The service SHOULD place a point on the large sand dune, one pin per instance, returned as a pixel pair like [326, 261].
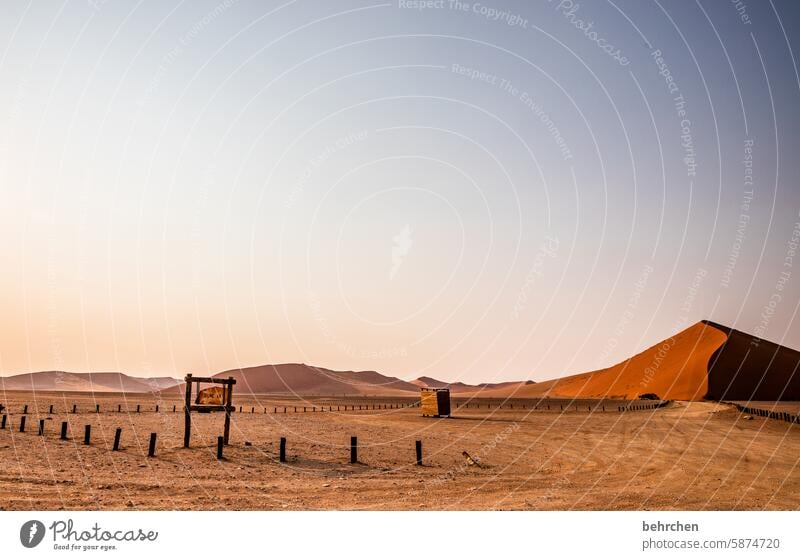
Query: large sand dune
[675, 368]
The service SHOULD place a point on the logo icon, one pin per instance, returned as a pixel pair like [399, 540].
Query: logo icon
[31, 533]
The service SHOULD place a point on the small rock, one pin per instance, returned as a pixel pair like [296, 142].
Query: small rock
[326, 485]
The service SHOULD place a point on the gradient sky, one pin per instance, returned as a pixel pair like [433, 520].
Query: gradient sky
[476, 193]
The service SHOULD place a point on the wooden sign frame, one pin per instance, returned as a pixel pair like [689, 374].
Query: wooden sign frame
[189, 407]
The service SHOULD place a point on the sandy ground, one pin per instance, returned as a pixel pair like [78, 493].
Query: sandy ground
[684, 456]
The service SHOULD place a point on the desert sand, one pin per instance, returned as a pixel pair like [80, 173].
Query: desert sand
[682, 456]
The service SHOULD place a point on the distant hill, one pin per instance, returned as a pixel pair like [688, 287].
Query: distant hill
[458, 387]
[302, 379]
[99, 382]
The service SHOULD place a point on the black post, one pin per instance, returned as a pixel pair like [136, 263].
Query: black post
[41, 426]
[419, 453]
[220, 445]
[97, 408]
[74, 408]
[22, 424]
[3, 422]
[63, 430]
[87, 434]
[187, 416]
[119, 408]
[353, 449]
[138, 407]
[152, 451]
[156, 408]
[51, 409]
[283, 450]
[117, 435]
[25, 409]
[173, 408]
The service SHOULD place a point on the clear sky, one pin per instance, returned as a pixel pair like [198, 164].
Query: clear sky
[470, 191]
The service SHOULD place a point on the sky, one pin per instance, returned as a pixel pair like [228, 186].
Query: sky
[470, 191]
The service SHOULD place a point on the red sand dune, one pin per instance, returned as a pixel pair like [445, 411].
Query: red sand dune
[675, 368]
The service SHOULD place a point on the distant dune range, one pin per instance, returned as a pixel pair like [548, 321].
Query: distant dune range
[704, 361]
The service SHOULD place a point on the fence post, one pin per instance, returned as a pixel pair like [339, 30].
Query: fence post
[152, 451]
[282, 456]
[51, 409]
[97, 408]
[138, 408]
[22, 424]
[87, 433]
[3, 422]
[418, 446]
[220, 445]
[74, 408]
[41, 426]
[63, 430]
[353, 449]
[156, 408]
[117, 435]
[119, 408]
[25, 409]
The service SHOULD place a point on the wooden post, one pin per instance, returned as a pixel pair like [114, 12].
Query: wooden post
[74, 408]
[151, 452]
[63, 430]
[25, 409]
[173, 408]
[41, 426]
[87, 433]
[282, 455]
[117, 435]
[353, 449]
[119, 408]
[419, 452]
[138, 408]
[228, 407]
[51, 409]
[252, 409]
[220, 444]
[187, 415]
[156, 408]
[22, 424]
[3, 422]
[97, 408]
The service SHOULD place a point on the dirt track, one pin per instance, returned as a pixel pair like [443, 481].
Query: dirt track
[686, 456]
